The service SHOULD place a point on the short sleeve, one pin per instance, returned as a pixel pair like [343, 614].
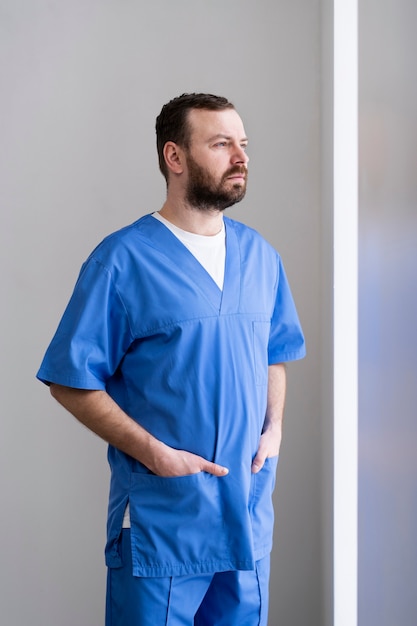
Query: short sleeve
[93, 335]
[286, 340]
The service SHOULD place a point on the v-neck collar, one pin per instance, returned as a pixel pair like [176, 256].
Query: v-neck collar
[163, 239]
[232, 271]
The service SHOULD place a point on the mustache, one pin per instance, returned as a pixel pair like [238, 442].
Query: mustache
[236, 169]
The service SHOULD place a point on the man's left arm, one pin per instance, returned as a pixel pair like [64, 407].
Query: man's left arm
[270, 440]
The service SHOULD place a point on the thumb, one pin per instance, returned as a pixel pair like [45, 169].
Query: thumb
[215, 469]
[258, 463]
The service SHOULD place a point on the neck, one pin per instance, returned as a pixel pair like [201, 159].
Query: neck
[191, 219]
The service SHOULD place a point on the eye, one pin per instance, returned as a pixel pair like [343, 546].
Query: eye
[220, 144]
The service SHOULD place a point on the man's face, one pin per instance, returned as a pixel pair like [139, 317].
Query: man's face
[216, 160]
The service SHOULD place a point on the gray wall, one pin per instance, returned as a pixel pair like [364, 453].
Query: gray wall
[81, 84]
[388, 313]
[326, 309]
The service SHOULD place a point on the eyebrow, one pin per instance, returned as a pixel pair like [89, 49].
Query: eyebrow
[222, 136]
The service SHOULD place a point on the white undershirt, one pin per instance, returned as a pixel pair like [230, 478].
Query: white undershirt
[210, 252]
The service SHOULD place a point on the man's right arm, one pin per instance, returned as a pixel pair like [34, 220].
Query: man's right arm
[98, 412]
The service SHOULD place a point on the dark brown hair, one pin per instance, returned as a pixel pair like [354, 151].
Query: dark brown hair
[172, 125]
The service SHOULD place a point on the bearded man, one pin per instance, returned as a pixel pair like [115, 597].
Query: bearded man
[173, 349]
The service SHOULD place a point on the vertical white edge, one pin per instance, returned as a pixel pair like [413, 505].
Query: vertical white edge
[345, 311]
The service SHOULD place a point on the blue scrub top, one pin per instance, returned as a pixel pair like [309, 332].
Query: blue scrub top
[189, 362]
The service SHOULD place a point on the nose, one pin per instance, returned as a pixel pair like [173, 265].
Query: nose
[239, 155]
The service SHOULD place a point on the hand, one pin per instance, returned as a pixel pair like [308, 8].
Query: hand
[170, 462]
[269, 445]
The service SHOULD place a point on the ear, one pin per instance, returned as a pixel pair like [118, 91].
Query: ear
[173, 156]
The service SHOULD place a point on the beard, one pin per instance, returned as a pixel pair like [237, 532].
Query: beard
[206, 194]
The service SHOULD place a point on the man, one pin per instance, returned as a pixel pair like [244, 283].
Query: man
[172, 349]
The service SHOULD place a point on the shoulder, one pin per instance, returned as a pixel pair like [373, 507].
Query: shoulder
[123, 243]
[249, 237]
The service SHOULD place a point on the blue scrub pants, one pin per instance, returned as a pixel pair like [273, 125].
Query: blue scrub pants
[235, 598]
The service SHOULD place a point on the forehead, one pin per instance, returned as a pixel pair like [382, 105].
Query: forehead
[205, 124]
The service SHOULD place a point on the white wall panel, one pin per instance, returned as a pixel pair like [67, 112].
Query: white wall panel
[388, 313]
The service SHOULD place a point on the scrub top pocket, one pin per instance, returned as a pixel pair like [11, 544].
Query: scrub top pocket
[175, 523]
[261, 507]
